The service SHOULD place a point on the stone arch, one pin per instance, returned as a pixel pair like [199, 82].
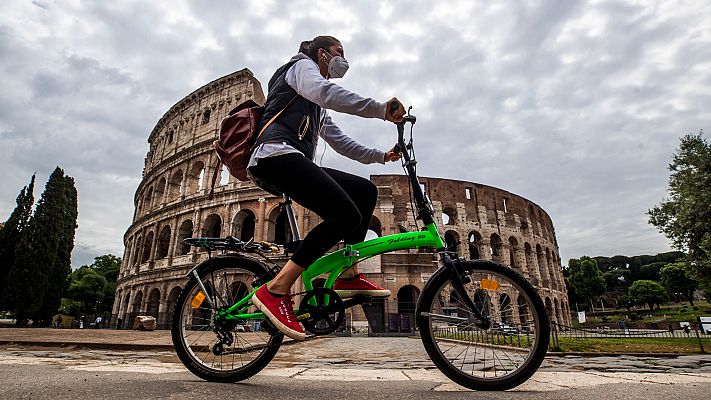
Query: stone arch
[530, 263]
[137, 300]
[212, 226]
[406, 303]
[175, 185]
[196, 177]
[523, 312]
[513, 252]
[449, 216]
[126, 303]
[278, 228]
[159, 193]
[496, 247]
[185, 231]
[474, 245]
[375, 226]
[147, 247]
[163, 243]
[542, 267]
[224, 176]
[451, 239]
[549, 309]
[148, 200]
[170, 305]
[243, 224]
[137, 250]
[153, 303]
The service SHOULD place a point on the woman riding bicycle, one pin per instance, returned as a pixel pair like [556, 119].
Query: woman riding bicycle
[282, 162]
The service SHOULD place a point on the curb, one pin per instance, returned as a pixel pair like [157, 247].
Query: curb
[118, 346]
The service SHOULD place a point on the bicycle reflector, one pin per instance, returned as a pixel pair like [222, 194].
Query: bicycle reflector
[198, 299]
[486, 284]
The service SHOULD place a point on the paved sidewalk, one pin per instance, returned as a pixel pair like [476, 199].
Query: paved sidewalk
[332, 359]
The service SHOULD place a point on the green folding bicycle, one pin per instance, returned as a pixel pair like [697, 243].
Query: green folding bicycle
[220, 335]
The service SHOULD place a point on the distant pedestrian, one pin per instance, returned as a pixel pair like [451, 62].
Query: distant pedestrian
[58, 321]
[687, 330]
[671, 330]
[98, 321]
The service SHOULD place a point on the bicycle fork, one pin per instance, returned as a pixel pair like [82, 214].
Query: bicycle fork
[458, 279]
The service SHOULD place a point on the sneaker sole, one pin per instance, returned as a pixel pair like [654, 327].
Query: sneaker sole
[296, 335]
[372, 293]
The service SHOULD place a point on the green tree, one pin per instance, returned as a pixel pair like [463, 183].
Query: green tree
[58, 273]
[89, 287]
[586, 278]
[676, 279]
[42, 256]
[685, 217]
[11, 231]
[651, 272]
[616, 279]
[647, 292]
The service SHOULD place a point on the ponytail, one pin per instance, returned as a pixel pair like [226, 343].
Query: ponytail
[311, 47]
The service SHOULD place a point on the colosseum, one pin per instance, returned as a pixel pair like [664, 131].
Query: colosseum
[171, 204]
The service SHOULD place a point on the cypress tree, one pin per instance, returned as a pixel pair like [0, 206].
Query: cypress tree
[10, 233]
[58, 274]
[42, 253]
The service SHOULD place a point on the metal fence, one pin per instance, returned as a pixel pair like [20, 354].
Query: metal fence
[623, 331]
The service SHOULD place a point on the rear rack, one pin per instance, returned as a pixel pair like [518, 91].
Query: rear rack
[232, 243]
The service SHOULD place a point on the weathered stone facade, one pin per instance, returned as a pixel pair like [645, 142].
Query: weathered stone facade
[171, 204]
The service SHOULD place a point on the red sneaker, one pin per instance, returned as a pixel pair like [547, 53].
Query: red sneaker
[349, 287]
[280, 311]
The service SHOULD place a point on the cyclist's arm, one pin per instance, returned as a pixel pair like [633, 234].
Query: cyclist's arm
[305, 78]
[346, 146]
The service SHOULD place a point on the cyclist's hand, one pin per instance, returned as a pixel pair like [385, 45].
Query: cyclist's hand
[393, 114]
[391, 156]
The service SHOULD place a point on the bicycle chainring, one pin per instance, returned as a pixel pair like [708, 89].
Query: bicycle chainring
[321, 311]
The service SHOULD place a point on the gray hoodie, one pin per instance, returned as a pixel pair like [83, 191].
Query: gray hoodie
[306, 79]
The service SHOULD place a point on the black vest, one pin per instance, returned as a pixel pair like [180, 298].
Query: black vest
[298, 124]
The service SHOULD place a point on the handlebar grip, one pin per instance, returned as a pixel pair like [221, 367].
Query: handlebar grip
[397, 149]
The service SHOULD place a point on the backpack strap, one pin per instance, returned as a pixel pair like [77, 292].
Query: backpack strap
[276, 116]
[211, 194]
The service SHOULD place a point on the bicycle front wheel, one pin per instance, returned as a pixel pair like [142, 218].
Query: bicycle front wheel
[216, 349]
[496, 354]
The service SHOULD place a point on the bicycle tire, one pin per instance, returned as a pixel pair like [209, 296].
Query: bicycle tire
[194, 352]
[530, 313]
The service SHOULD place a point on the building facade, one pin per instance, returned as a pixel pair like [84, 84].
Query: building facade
[171, 204]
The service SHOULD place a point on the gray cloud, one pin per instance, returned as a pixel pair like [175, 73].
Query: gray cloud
[577, 106]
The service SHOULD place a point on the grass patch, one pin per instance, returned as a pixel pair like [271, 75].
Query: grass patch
[634, 345]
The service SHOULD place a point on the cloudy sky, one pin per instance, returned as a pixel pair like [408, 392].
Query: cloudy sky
[577, 106]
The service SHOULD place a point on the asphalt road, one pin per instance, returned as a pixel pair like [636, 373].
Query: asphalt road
[82, 374]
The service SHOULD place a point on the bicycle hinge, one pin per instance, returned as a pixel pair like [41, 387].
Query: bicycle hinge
[350, 254]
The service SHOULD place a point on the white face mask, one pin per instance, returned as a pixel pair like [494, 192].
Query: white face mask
[337, 65]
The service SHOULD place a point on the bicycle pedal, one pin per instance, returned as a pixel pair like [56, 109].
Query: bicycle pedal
[267, 326]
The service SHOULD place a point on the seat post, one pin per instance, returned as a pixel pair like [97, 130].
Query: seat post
[292, 218]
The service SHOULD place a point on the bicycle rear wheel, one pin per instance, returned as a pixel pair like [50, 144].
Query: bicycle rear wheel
[496, 356]
[199, 338]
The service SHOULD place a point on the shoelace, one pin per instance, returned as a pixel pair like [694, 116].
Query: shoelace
[288, 305]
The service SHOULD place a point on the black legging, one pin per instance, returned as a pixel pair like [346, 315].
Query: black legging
[345, 202]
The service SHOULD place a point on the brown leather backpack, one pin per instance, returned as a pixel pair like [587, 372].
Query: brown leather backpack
[238, 133]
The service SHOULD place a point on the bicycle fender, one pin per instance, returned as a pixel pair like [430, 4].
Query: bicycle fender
[204, 266]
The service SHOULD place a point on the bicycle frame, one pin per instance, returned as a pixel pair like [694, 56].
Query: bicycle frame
[336, 262]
